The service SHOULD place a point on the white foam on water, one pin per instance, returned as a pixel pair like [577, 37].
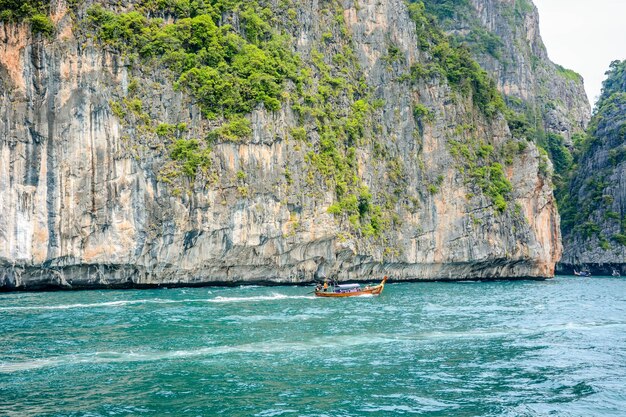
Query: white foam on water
[578, 326]
[392, 409]
[424, 404]
[71, 306]
[257, 318]
[503, 332]
[474, 334]
[272, 412]
[121, 303]
[272, 297]
[267, 347]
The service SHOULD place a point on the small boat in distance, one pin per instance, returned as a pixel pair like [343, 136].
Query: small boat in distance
[582, 273]
[615, 273]
[348, 290]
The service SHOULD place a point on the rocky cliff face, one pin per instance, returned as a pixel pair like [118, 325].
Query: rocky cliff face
[595, 214]
[505, 39]
[112, 174]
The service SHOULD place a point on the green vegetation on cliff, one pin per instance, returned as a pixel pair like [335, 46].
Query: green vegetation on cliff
[614, 85]
[232, 57]
[481, 168]
[192, 156]
[15, 10]
[228, 71]
[335, 100]
[33, 11]
[493, 32]
[453, 61]
[568, 73]
[477, 38]
[229, 74]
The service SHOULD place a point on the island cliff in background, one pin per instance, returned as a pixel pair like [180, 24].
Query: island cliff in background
[594, 213]
[163, 143]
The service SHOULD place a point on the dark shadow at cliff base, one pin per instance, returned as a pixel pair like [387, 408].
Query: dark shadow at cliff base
[597, 269]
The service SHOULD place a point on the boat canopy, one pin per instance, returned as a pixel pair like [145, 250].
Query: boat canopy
[348, 286]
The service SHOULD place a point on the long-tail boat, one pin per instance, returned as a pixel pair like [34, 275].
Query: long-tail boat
[349, 290]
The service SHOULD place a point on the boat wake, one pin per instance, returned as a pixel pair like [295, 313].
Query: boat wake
[271, 297]
[122, 303]
[118, 303]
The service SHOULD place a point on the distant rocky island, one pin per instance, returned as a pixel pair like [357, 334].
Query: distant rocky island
[170, 142]
[593, 209]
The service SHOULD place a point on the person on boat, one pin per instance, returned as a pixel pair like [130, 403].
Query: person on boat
[325, 286]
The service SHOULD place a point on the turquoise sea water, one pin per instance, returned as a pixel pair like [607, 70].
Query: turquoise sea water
[555, 347]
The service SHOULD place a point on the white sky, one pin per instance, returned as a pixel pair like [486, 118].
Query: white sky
[584, 35]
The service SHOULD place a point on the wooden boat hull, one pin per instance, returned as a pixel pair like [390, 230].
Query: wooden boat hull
[369, 291]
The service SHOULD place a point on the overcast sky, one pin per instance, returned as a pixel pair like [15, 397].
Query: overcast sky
[584, 35]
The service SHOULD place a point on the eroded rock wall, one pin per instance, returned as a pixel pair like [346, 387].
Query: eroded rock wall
[84, 201]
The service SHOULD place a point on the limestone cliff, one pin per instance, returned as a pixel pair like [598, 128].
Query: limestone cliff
[504, 38]
[114, 171]
[595, 213]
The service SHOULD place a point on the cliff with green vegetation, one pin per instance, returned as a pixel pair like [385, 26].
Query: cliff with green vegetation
[594, 214]
[175, 142]
[547, 102]
[503, 36]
